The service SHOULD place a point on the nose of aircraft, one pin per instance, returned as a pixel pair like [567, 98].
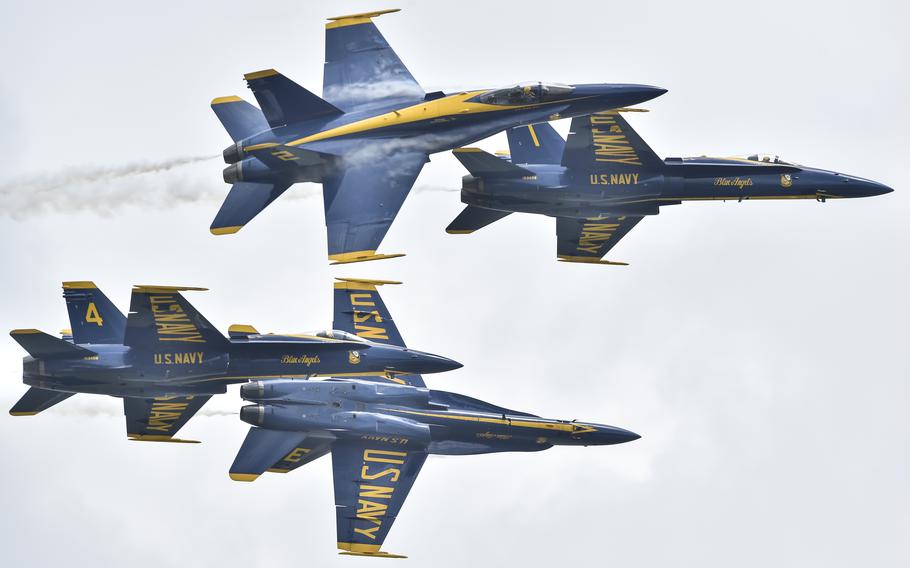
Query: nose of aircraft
[840, 185]
[422, 362]
[609, 435]
[617, 95]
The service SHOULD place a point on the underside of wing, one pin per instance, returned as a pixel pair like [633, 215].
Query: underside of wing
[588, 240]
[158, 419]
[371, 484]
[361, 201]
[360, 66]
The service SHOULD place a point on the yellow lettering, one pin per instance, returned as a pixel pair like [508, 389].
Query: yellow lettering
[370, 332]
[370, 456]
[370, 532]
[362, 300]
[92, 315]
[376, 491]
[365, 473]
[296, 455]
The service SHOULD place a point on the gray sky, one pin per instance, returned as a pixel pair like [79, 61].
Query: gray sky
[758, 348]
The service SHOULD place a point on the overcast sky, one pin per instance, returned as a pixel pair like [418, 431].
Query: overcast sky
[760, 349]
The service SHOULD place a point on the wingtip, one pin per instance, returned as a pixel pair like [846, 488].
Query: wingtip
[245, 477]
[360, 256]
[225, 230]
[260, 74]
[223, 100]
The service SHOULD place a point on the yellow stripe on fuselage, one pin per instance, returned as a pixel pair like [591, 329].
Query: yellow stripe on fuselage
[453, 105]
[558, 426]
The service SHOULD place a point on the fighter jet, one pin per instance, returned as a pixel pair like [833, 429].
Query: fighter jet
[380, 435]
[604, 179]
[165, 360]
[368, 137]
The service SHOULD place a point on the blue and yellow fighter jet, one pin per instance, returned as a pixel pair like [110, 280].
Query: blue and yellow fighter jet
[604, 179]
[380, 434]
[370, 134]
[165, 360]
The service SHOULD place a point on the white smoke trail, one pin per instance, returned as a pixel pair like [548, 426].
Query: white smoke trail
[104, 189]
[111, 407]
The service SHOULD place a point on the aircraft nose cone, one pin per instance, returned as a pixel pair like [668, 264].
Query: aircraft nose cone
[641, 93]
[612, 435]
[422, 362]
[859, 187]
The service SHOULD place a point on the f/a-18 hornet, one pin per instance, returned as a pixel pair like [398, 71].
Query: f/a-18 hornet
[370, 134]
[380, 434]
[604, 179]
[165, 360]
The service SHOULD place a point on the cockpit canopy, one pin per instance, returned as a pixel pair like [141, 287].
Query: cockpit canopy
[767, 159]
[338, 334]
[526, 93]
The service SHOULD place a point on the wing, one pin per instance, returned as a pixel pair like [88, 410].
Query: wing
[360, 67]
[276, 451]
[605, 142]
[371, 485]
[158, 419]
[359, 309]
[362, 200]
[588, 240]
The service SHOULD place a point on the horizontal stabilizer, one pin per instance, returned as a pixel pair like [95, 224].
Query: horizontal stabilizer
[285, 102]
[40, 345]
[36, 400]
[243, 202]
[262, 449]
[473, 218]
[239, 118]
[485, 165]
[535, 144]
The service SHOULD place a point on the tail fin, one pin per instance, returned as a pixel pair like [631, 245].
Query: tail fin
[473, 218]
[244, 201]
[359, 309]
[285, 102]
[43, 346]
[239, 118]
[36, 400]
[162, 320]
[535, 144]
[486, 165]
[93, 318]
[605, 143]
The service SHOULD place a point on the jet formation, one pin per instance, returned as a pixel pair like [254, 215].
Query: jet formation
[165, 360]
[604, 179]
[369, 135]
[366, 140]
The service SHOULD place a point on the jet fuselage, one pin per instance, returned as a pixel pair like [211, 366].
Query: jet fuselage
[414, 418]
[559, 191]
[118, 370]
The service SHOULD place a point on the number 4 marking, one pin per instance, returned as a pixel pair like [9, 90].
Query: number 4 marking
[92, 315]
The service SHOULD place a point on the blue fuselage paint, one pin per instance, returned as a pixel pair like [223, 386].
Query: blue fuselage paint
[452, 128]
[561, 192]
[118, 370]
[412, 418]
